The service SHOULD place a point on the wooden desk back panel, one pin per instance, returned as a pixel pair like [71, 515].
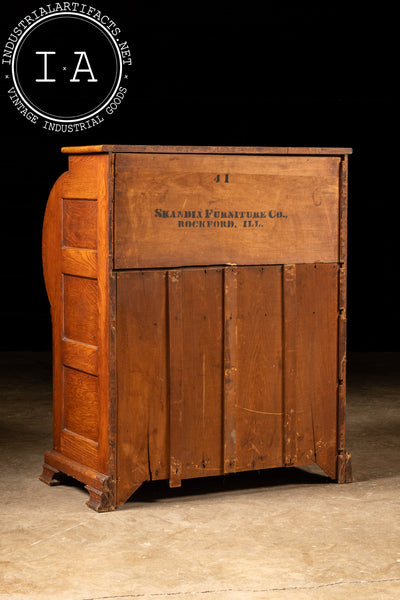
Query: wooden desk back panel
[198, 307]
[210, 393]
[176, 210]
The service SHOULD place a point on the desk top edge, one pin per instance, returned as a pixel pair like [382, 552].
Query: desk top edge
[160, 149]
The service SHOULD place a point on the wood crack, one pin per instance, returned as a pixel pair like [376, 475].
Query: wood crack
[246, 590]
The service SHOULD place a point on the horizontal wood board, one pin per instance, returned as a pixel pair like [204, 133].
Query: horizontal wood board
[183, 210]
[273, 150]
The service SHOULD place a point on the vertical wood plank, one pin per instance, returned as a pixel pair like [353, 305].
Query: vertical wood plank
[142, 429]
[342, 382]
[202, 432]
[175, 308]
[112, 381]
[289, 364]
[259, 368]
[104, 266]
[343, 177]
[196, 378]
[342, 358]
[317, 352]
[344, 461]
[230, 367]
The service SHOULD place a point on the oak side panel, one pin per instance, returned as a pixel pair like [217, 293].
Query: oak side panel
[259, 376]
[76, 261]
[88, 187]
[177, 210]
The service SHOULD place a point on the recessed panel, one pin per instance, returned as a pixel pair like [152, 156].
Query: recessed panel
[79, 224]
[81, 309]
[81, 404]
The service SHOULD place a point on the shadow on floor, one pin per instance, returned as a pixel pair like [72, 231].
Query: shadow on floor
[373, 426]
[157, 490]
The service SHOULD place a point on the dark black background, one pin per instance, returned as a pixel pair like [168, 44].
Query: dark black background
[271, 74]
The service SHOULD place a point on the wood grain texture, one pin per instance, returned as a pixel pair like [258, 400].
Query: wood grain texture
[101, 487]
[230, 366]
[76, 260]
[81, 404]
[267, 150]
[176, 210]
[80, 262]
[176, 377]
[80, 223]
[344, 458]
[259, 376]
[143, 408]
[195, 355]
[80, 356]
[79, 448]
[211, 347]
[289, 341]
[317, 351]
[274, 396]
[81, 313]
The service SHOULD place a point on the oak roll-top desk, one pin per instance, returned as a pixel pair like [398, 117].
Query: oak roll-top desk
[198, 301]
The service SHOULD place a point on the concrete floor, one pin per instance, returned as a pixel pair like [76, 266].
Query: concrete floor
[273, 535]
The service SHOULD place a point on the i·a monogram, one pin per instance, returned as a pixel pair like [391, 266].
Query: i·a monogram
[82, 57]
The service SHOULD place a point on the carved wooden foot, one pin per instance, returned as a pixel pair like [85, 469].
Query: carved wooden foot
[100, 500]
[101, 487]
[51, 476]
